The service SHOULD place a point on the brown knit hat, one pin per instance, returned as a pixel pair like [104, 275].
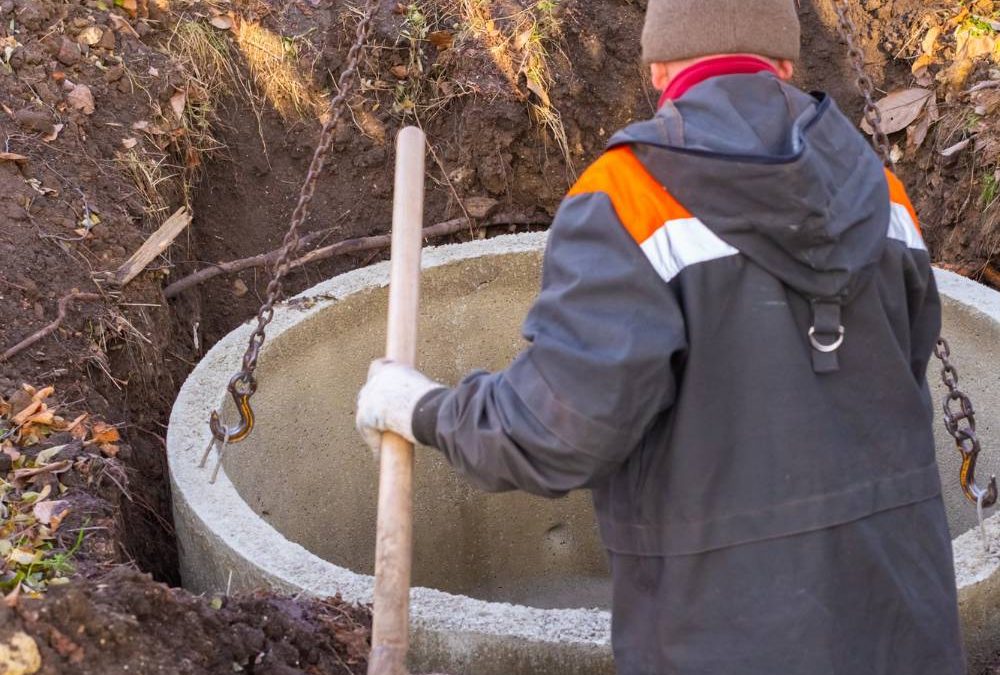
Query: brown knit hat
[685, 29]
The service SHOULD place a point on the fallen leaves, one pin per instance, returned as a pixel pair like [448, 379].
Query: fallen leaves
[441, 39]
[90, 36]
[34, 503]
[222, 22]
[82, 99]
[900, 109]
[19, 655]
[956, 148]
[178, 102]
[12, 157]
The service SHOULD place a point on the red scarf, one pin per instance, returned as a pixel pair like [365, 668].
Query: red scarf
[721, 65]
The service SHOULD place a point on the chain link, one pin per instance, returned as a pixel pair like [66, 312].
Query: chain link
[960, 421]
[848, 32]
[244, 384]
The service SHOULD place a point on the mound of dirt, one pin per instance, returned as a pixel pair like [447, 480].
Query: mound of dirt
[126, 623]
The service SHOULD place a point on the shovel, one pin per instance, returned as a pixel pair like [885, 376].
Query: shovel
[394, 540]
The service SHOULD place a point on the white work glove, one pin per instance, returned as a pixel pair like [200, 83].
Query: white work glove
[388, 400]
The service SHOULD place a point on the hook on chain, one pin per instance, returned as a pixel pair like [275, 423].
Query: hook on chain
[241, 388]
[961, 424]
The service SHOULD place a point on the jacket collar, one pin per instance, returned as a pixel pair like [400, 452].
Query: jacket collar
[697, 73]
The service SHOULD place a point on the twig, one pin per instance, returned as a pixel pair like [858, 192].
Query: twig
[41, 334]
[988, 84]
[154, 246]
[341, 248]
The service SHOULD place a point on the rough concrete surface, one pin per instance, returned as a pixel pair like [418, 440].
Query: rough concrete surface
[294, 506]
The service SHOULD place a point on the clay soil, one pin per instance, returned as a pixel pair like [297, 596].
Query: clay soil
[116, 114]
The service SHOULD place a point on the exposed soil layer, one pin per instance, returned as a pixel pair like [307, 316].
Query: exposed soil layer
[124, 622]
[115, 118]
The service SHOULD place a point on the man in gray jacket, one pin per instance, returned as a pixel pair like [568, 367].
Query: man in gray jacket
[729, 350]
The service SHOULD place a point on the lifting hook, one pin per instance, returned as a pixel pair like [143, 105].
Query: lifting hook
[960, 421]
[969, 447]
[241, 388]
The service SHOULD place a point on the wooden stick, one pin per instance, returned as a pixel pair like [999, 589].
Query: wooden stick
[394, 541]
[53, 326]
[154, 246]
[340, 248]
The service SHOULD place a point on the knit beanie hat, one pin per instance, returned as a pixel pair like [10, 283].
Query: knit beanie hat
[684, 29]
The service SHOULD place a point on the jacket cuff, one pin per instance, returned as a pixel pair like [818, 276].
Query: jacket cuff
[425, 416]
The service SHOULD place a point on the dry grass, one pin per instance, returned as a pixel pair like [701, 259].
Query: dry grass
[272, 61]
[519, 46]
[153, 178]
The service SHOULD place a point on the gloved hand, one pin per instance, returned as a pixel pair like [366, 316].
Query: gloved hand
[388, 400]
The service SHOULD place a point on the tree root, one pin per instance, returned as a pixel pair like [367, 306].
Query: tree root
[64, 303]
[340, 248]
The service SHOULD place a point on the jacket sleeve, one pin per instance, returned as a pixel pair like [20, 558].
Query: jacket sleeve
[925, 313]
[605, 337]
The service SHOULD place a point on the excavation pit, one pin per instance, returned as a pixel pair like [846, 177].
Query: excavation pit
[503, 583]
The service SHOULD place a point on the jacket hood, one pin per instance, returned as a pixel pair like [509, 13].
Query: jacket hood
[779, 174]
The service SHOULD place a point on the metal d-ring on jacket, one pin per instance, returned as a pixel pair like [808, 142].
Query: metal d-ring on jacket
[729, 350]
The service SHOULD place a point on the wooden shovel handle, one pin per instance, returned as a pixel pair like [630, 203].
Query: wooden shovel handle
[394, 542]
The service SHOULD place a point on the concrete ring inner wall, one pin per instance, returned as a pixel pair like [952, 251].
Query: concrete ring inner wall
[294, 506]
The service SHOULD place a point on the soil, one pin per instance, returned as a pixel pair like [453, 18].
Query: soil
[170, 129]
[123, 622]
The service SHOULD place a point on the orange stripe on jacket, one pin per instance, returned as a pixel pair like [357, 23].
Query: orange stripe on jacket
[897, 194]
[642, 204]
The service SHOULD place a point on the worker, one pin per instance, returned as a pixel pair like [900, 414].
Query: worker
[729, 350]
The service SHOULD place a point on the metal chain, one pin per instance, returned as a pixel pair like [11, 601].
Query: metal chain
[243, 385]
[848, 32]
[961, 424]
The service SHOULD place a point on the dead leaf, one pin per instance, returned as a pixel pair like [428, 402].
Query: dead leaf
[921, 68]
[90, 36]
[20, 476]
[37, 186]
[177, 103]
[46, 512]
[129, 143]
[11, 598]
[523, 38]
[44, 417]
[400, 72]
[104, 433]
[82, 99]
[442, 39]
[222, 22]
[76, 422]
[21, 556]
[46, 455]
[916, 133]
[12, 157]
[538, 89]
[955, 149]
[109, 449]
[900, 109]
[27, 412]
[929, 44]
[130, 6]
[479, 207]
[56, 130]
